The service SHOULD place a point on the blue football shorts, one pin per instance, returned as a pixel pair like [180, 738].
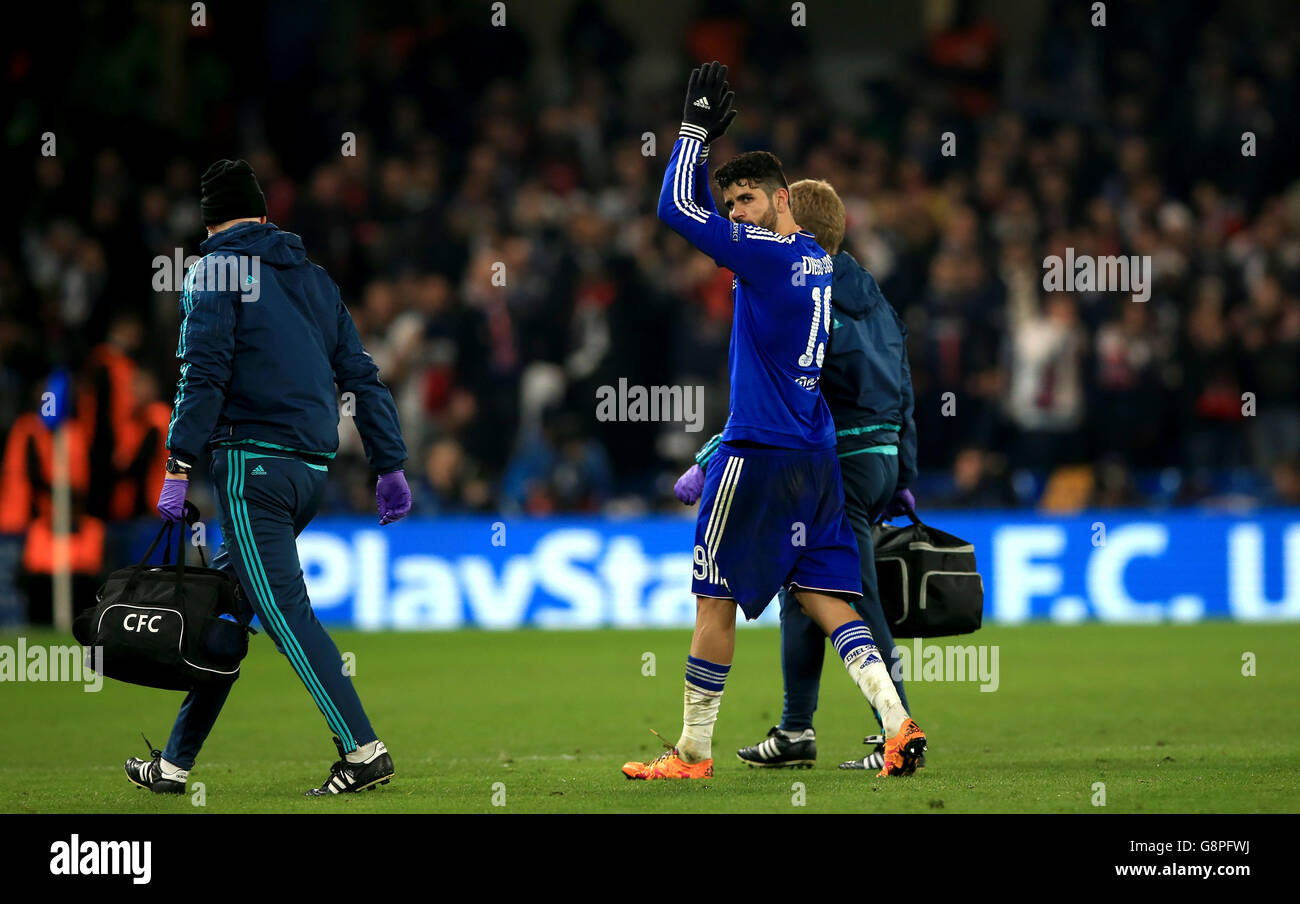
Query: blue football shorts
[772, 518]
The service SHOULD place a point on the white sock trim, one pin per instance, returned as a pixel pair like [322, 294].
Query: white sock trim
[171, 771]
[805, 734]
[366, 752]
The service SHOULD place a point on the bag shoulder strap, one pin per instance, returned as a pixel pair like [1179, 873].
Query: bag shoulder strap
[192, 516]
[148, 554]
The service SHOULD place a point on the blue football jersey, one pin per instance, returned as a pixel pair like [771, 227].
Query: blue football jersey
[782, 310]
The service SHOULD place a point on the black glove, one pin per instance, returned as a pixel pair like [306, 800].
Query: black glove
[727, 114]
[709, 101]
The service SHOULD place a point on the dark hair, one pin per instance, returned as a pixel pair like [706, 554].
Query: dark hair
[755, 168]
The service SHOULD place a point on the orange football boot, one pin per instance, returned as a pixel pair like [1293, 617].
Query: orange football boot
[903, 750]
[668, 764]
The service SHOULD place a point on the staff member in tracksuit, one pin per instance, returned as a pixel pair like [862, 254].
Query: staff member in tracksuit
[867, 383]
[264, 341]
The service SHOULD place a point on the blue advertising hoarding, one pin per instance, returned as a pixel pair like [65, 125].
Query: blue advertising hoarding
[594, 572]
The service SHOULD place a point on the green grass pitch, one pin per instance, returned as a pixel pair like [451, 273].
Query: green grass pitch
[1161, 714]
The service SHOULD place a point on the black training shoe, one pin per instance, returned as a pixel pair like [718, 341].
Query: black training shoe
[151, 773]
[779, 750]
[875, 760]
[346, 777]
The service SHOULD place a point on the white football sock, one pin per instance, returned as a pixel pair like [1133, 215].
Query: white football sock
[852, 640]
[699, 715]
[873, 681]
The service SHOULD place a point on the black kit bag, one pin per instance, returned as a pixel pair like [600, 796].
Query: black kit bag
[929, 586]
[161, 626]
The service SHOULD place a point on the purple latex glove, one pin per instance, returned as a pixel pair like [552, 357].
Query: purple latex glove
[902, 502]
[393, 496]
[171, 501]
[689, 486]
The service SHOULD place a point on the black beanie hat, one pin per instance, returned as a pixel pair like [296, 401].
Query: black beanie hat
[230, 191]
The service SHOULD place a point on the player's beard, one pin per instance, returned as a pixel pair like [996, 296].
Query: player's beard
[768, 220]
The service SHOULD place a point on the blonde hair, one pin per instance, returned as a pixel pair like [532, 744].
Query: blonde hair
[817, 208]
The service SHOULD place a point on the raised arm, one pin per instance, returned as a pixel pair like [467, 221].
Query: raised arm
[703, 195]
[680, 202]
[685, 202]
[751, 252]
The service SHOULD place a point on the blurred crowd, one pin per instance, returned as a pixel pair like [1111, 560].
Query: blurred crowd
[494, 235]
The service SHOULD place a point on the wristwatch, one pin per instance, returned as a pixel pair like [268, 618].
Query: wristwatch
[176, 466]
